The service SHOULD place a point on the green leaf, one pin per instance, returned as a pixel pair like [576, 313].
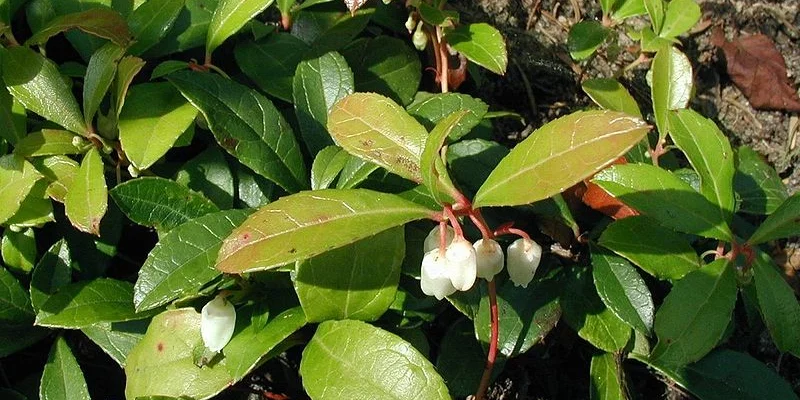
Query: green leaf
[622, 289]
[35, 209]
[472, 161]
[357, 281]
[36, 83]
[252, 190]
[16, 338]
[17, 178]
[49, 142]
[710, 154]
[171, 339]
[461, 359]
[209, 174]
[694, 315]
[271, 62]
[150, 22]
[247, 125]
[19, 250]
[482, 44]
[608, 5]
[12, 117]
[87, 196]
[229, 17]
[672, 85]
[756, 183]
[278, 233]
[659, 251]
[585, 38]
[182, 262]
[611, 95]
[100, 73]
[784, 222]
[778, 305]
[15, 305]
[628, 8]
[318, 84]
[117, 339]
[355, 172]
[385, 65]
[62, 377]
[127, 69]
[99, 21]
[189, 30]
[587, 141]
[681, 16]
[78, 305]
[330, 30]
[60, 171]
[376, 129]
[154, 116]
[428, 109]
[664, 197]
[327, 165]
[655, 9]
[434, 173]
[52, 272]
[334, 363]
[160, 203]
[588, 315]
[607, 381]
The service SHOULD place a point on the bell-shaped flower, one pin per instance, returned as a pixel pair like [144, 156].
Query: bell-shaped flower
[490, 258]
[217, 322]
[461, 263]
[523, 258]
[432, 240]
[435, 280]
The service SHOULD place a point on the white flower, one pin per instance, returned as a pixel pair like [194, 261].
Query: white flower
[490, 258]
[217, 322]
[432, 240]
[419, 38]
[461, 263]
[523, 259]
[435, 280]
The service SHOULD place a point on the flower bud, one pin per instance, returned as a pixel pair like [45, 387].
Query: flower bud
[490, 258]
[432, 240]
[461, 263]
[419, 38]
[217, 322]
[523, 259]
[435, 280]
[411, 23]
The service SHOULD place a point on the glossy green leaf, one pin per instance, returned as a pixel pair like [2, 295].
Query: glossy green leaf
[334, 363]
[160, 203]
[154, 116]
[278, 233]
[611, 95]
[778, 305]
[182, 262]
[355, 172]
[434, 173]
[17, 178]
[13, 120]
[189, 30]
[209, 174]
[85, 303]
[19, 250]
[357, 281]
[472, 161]
[100, 73]
[150, 22]
[482, 44]
[672, 84]
[87, 196]
[387, 66]
[271, 62]
[229, 17]
[52, 272]
[629, 8]
[36, 83]
[62, 378]
[757, 184]
[252, 190]
[710, 153]
[655, 9]
[461, 359]
[659, 251]
[327, 165]
[59, 170]
[694, 315]
[330, 30]
[98, 21]
[247, 125]
[318, 84]
[606, 379]
[50, 142]
[117, 339]
[622, 290]
[35, 209]
[680, 17]
[784, 222]
[661, 195]
[127, 69]
[587, 141]
[167, 350]
[608, 5]
[585, 38]
[376, 129]
[589, 316]
[15, 305]
[429, 109]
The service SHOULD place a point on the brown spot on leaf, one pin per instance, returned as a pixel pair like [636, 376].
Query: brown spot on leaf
[229, 143]
[160, 347]
[292, 250]
[367, 143]
[246, 236]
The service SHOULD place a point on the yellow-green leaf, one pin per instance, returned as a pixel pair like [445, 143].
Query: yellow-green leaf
[99, 21]
[87, 196]
[229, 17]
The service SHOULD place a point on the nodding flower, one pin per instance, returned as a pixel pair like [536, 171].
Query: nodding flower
[217, 322]
[523, 258]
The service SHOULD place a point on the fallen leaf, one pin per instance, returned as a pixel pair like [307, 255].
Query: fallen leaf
[757, 68]
[599, 200]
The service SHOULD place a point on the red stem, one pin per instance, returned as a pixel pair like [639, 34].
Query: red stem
[492, 356]
[448, 210]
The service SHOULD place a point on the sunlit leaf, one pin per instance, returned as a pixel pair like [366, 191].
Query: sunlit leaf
[62, 377]
[482, 44]
[99, 21]
[151, 21]
[49, 142]
[611, 95]
[87, 196]
[778, 305]
[622, 289]
[99, 74]
[757, 184]
[229, 17]
[85, 303]
[784, 222]
[672, 85]
[17, 178]
[271, 62]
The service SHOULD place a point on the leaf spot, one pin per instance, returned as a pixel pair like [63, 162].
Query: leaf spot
[160, 347]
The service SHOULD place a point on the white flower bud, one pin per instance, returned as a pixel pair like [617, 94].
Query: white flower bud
[490, 258]
[435, 280]
[461, 263]
[523, 259]
[432, 240]
[217, 322]
[411, 23]
[419, 38]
